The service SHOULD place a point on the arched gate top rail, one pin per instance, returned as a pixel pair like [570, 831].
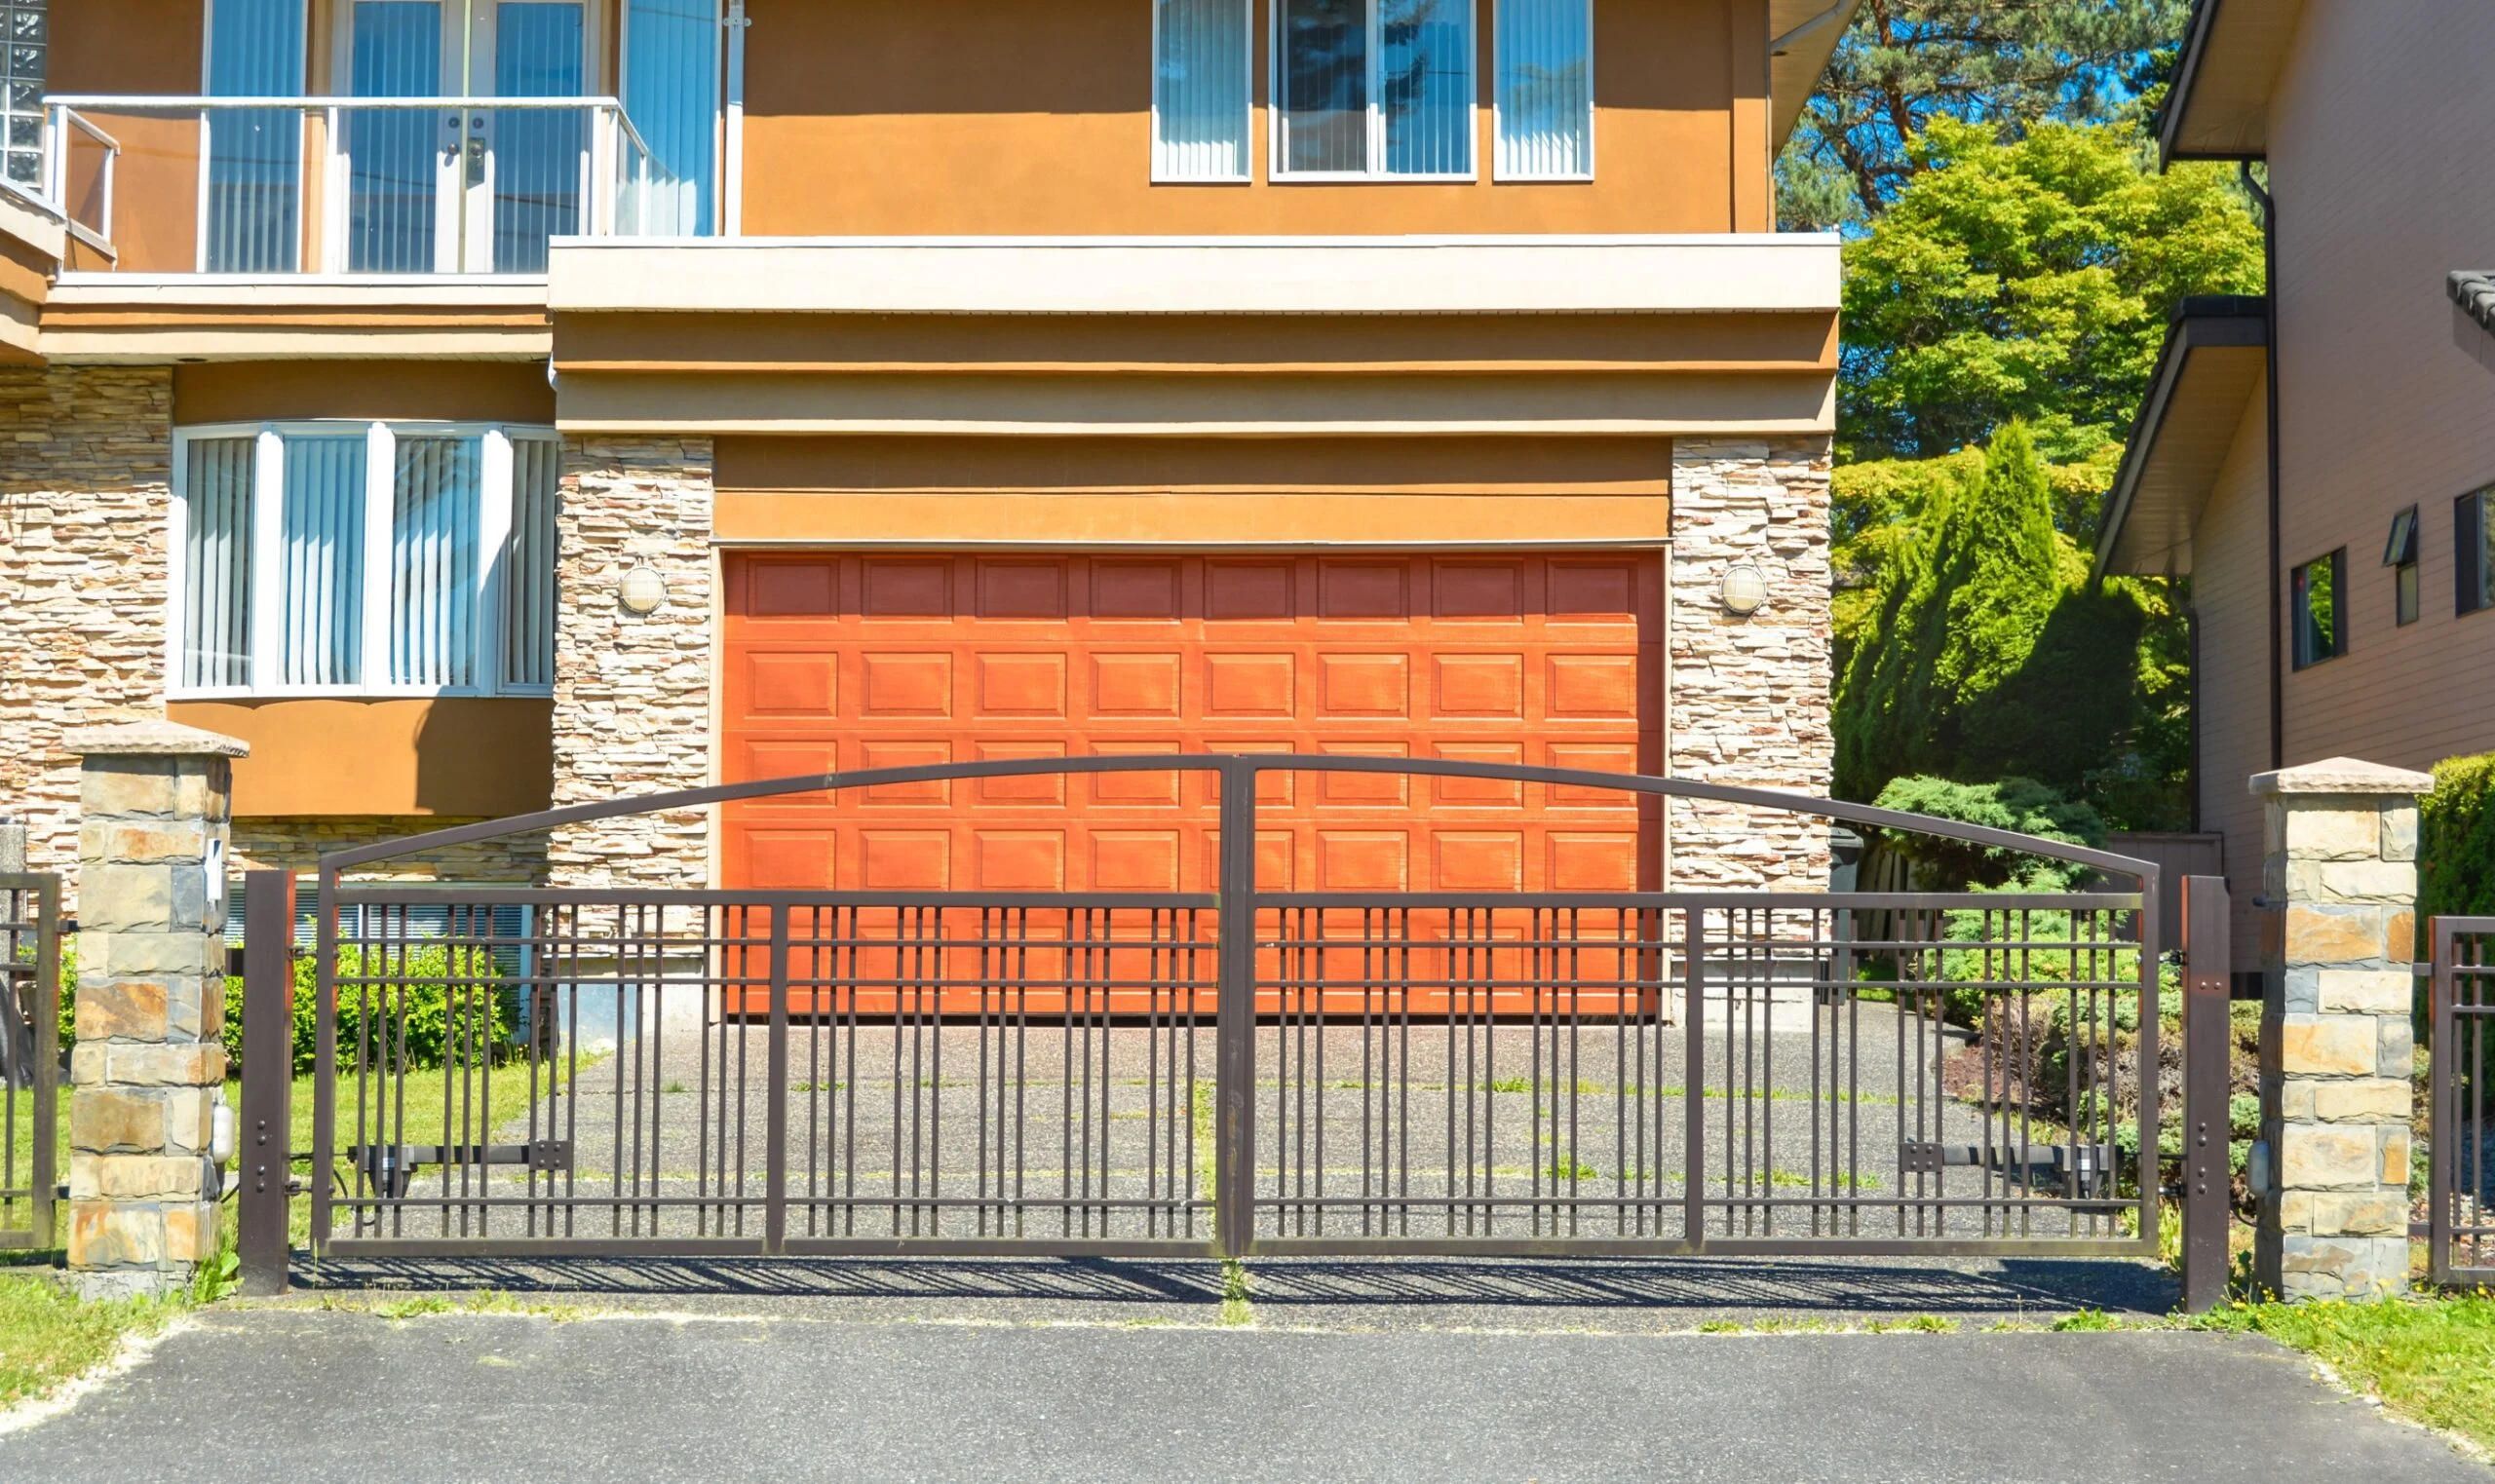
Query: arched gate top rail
[1242, 768]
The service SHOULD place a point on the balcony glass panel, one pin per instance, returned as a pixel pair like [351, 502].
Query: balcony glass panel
[394, 165]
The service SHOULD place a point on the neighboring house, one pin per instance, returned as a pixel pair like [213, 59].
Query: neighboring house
[895, 381]
[2320, 465]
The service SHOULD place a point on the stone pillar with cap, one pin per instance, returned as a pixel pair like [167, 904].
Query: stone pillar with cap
[148, 1073]
[2339, 880]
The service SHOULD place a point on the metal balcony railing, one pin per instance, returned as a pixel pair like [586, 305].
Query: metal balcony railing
[282, 186]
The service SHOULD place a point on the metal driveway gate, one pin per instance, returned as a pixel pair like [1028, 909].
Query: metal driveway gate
[511, 1070]
[29, 1056]
[2461, 1225]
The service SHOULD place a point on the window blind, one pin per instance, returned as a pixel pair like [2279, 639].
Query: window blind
[323, 552]
[217, 562]
[435, 515]
[671, 95]
[1200, 89]
[540, 155]
[1324, 85]
[1545, 59]
[254, 155]
[1425, 85]
[529, 565]
[393, 183]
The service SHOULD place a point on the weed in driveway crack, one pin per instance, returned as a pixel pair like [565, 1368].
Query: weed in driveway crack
[1234, 1308]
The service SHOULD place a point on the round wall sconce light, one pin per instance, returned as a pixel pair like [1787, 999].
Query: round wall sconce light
[1744, 591]
[641, 591]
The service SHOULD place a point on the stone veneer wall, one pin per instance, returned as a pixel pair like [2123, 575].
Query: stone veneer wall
[632, 692]
[86, 478]
[1749, 702]
[297, 844]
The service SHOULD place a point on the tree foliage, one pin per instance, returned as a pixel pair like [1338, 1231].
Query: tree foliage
[2456, 840]
[2005, 64]
[2030, 279]
[1981, 651]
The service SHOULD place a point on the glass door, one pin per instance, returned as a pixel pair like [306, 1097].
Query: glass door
[402, 163]
[535, 175]
[464, 190]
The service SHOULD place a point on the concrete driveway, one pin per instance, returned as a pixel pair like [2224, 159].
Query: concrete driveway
[809, 1389]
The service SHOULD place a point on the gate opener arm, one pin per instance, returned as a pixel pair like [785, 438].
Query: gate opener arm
[392, 1167]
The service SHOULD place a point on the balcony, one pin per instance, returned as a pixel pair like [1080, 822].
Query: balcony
[346, 188]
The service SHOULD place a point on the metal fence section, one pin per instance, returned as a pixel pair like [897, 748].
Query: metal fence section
[29, 1057]
[505, 1071]
[2461, 1225]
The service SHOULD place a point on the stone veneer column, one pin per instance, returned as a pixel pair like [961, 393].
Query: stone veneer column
[632, 691]
[2340, 869]
[1749, 697]
[149, 1067]
[86, 464]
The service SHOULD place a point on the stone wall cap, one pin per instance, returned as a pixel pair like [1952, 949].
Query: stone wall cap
[2342, 775]
[151, 739]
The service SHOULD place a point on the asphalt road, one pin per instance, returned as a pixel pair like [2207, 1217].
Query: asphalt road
[308, 1397]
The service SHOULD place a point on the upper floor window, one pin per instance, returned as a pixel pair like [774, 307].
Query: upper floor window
[1546, 89]
[2400, 553]
[2474, 551]
[1373, 88]
[354, 558]
[1200, 89]
[2320, 609]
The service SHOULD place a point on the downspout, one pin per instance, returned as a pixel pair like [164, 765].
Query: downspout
[2277, 556]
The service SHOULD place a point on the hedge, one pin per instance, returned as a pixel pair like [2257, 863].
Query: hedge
[414, 987]
[2456, 840]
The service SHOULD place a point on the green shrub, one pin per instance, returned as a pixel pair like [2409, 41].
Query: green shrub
[2016, 804]
[2456, 840]
[409, 997]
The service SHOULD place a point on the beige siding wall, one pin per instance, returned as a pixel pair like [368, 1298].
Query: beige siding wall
[2231, 601]
[2380, 131]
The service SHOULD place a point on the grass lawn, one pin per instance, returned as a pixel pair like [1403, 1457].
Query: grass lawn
[46, 1336]
[2430, 1359]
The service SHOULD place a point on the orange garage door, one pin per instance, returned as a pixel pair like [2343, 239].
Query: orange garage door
[842, 661]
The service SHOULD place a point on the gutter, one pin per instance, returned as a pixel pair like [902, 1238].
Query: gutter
[2197, 322]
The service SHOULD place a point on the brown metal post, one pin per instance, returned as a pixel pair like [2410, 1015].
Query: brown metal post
[775, 1189]
[263, 1160]
[1235, 1015]
[2443, 1083]
[2206, 1089]
[46, 1078]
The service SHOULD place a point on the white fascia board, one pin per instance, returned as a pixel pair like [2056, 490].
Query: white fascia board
[28, 224]
[266, 291]
[1750, 272]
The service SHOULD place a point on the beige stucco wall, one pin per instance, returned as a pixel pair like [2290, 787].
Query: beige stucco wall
[2380, 129]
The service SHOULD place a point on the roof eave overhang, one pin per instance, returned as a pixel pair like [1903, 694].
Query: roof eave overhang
[2204, 366]
[2218, 107]
[1802, 35]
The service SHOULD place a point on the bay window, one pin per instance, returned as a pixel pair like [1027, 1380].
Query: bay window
[1373, 88]
[354, 558]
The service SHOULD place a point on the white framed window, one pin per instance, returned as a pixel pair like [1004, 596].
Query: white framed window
[354, 558]
[1545, 95]
[1373, 90]
[1203, 54]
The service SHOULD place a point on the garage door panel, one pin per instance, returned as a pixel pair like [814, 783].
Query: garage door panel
[893, 660]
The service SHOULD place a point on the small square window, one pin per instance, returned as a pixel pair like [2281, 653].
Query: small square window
[2320, 613]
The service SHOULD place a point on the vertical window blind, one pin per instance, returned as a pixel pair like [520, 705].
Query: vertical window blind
[1374, 87]
[1200, 89]
[395, 561]
[529, 565]
[253, 217]
[1545, 97]
[540, 156]
[322, 546]
[216, 560]
[671, 95]
[435, 514]
[394, 172]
